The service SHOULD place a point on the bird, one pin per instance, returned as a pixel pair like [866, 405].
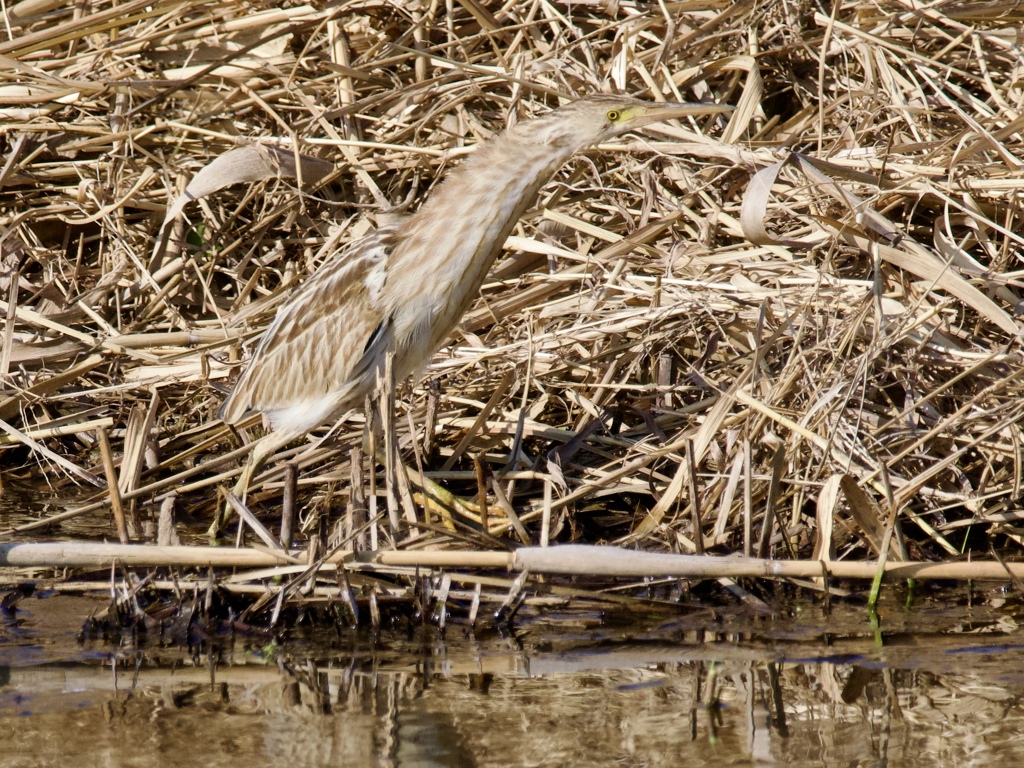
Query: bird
[403, 288]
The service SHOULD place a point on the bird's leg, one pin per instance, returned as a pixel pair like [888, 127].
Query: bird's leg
[263, 448]
[440, 499]
[435, 496]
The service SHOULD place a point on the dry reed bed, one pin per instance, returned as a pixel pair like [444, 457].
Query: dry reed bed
[646, 359]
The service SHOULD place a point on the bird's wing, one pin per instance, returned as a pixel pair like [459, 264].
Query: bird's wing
[318, 355]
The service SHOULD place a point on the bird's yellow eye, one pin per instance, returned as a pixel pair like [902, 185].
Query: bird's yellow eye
[613, 115]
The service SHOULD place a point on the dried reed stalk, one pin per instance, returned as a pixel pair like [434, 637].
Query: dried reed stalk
[570, 559]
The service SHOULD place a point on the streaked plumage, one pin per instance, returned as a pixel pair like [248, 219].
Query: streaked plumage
[405, 288]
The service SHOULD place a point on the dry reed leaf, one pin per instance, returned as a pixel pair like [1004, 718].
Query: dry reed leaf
[867, 515]
[827, 504]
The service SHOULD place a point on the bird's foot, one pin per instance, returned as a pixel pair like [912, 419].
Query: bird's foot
[216, 530]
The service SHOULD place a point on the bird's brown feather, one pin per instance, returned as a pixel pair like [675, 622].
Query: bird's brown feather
[318, 350]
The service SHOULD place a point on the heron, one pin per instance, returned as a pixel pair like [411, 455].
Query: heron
[402, 289]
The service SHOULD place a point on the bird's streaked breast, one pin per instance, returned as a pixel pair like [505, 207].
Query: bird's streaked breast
[436, 271]
[314, 361]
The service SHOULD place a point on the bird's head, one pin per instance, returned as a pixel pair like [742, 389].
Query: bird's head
[594, 119]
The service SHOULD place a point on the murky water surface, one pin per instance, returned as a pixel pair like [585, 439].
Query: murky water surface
[937, 684]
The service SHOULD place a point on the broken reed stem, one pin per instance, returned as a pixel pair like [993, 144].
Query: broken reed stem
[545, 518]
[112, 489]
[291, 481]
[481, 491]
[355, 524]
[385, 403]
[698, 533]
[166, 535]
[748, 503]
[371, 439]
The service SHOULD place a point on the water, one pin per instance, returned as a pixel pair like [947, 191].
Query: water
[939, 684]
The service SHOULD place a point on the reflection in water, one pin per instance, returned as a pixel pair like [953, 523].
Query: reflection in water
[653, 697]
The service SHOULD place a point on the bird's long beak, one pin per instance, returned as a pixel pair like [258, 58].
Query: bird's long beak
[656, 112]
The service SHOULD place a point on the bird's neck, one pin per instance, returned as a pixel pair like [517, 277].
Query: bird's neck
[486, 196]
[451, 242]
